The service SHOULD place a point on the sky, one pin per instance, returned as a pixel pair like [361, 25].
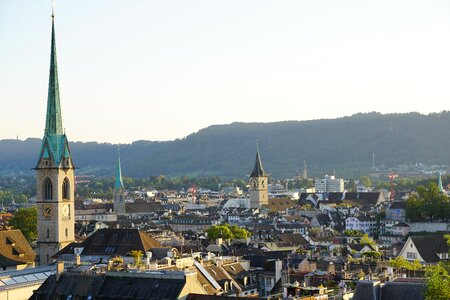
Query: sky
[160, 70]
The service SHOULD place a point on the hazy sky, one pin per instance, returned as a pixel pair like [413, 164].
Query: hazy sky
[160, 70]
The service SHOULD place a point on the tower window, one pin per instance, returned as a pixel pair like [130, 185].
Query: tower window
[66, 188]
[67, 232]
[48, 233]
[48, 189]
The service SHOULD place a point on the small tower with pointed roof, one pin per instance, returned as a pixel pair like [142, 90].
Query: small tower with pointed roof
[119, 189]
[440, 186]
[54, 175]
[259, 193]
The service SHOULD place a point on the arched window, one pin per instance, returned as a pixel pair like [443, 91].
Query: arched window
[225, 286]
[66, 189]
[48, 189]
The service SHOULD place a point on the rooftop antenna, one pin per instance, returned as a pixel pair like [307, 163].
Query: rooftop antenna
[373, 160]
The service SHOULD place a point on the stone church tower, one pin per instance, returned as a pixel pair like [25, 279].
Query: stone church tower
[54, 176]
[259, 193]
[119, 191]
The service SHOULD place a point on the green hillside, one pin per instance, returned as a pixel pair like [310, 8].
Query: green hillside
[344, 145]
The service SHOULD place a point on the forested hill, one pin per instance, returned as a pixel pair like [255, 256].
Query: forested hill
[344, 145]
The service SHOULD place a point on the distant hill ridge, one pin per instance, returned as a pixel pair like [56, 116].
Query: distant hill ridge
[345, 145]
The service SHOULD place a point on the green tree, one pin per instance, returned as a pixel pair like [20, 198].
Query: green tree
[137, 255]
[25, 219]
[219, 231]
[238, 232]
[366, 181]
[365, 239]
[226, 231]
[438, 283]
[428, 204]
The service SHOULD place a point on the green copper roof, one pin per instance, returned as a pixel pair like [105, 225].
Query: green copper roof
[53, 123]
[54, 143]
[258, 170]
[440, 187]
[118, 185]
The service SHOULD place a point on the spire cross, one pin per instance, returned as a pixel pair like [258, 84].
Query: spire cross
[53, 9]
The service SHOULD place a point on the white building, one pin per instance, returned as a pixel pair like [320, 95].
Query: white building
[329, 184]
[364, 224]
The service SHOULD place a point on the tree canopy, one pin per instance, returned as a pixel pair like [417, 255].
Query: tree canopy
[227, 231]
[428, 204]
[25, 219]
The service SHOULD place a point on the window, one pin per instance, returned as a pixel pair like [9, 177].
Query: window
[66, 189]
[411, 255]
[67, 232]
[48, 233]
[48, 189]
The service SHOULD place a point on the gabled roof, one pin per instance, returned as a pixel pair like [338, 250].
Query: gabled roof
[429, 245]
[140, 206]
[258, 170]
[110, 242]
[15, 249]
[106, 286]
[292, 239]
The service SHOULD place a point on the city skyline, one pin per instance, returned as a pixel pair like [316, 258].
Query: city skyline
[161, 72]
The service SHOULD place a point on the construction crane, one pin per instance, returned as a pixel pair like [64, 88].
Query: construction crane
[392, 177]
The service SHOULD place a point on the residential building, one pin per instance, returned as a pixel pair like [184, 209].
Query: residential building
[428, 249]
[362, 223]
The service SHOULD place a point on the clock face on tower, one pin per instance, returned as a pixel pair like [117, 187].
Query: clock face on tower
[255, 183]
[66, 210]
[47, 211]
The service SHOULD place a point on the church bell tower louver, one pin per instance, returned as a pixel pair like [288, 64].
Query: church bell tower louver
[54, 175]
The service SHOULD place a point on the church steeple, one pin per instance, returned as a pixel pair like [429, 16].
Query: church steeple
[258, 170]
[55, 181]
[53, 123]
[440, 186]
[258, 191]
[118, 185]
[55, 146]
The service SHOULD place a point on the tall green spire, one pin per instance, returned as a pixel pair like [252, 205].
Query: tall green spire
[440, 187]
[53, 123]
[54, 144]
[118, 185]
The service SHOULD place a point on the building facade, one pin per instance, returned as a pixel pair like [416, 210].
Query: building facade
[329, 184]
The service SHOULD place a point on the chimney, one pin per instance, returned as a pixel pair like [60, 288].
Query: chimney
[77, 260]
[219, 261]
[109, 265]
[219, 242]
[59, 269]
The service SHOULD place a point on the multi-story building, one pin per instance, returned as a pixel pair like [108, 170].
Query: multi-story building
[329, 184]
[364, 224]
